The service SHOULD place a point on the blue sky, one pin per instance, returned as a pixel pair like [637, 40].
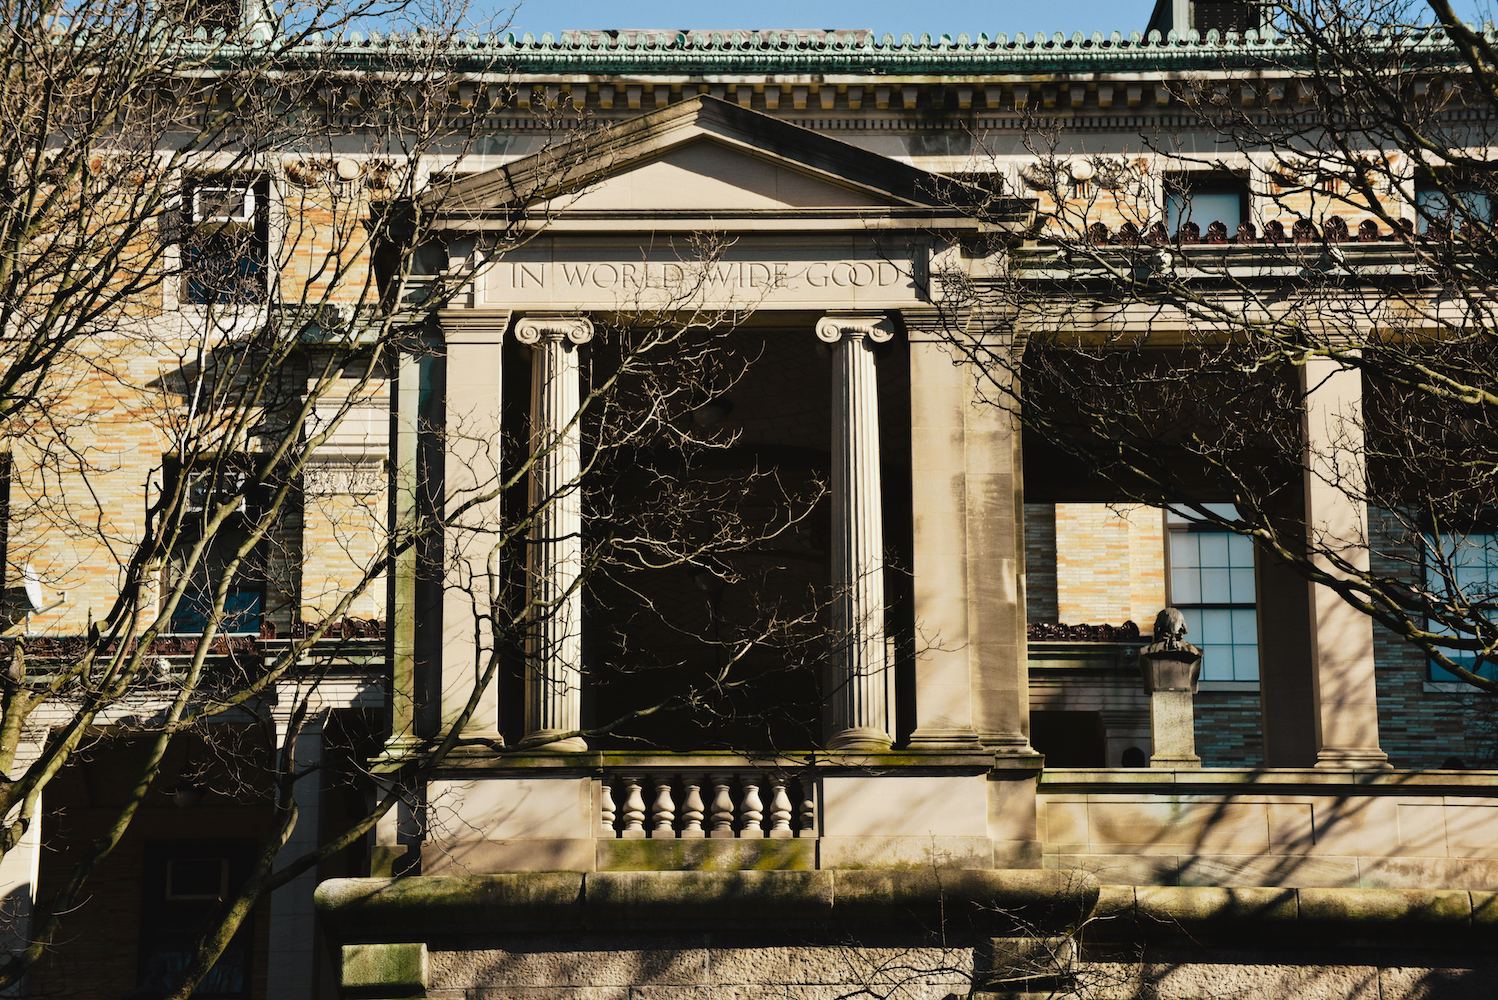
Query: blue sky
[894, 16]
[953, 16]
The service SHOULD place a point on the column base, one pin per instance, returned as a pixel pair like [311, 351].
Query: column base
[1353, 759]
[1009, 744]
[945, 739]
[554, 742]
[861, 739]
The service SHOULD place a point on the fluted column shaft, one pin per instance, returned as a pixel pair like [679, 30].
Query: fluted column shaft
[858, 687]
[553, 676]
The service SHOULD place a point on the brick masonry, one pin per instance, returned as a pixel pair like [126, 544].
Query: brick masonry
[1094, 563]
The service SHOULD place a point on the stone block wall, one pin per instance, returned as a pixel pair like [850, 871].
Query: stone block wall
[701, 966]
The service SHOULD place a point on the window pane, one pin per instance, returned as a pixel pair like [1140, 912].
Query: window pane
[1175, 206]
[1430, 204]
[1215, 589]
[1183, 549]
[1214, 548]
[1472, 569]
[1242, 586]
[1193, 618]
[1217, 627]
[1204, 208]
[1240, 550]
[1185, 586]
[1246, 663]
[1245, 626]
[1217, 663]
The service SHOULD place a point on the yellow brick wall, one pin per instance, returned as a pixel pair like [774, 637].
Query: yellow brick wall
[1110, 563]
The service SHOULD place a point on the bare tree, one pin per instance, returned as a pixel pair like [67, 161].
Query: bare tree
[1174, 310]
[215, 253]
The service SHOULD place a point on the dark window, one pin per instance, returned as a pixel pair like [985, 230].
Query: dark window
[1199, 201]
[226, 240]
[185, 883]
[209, 486]
[1069, 739]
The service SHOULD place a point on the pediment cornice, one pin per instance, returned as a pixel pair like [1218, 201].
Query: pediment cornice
[880, 191]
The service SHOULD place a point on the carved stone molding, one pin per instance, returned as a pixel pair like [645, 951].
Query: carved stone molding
[876, 328]
[531, 330]
[473, 326]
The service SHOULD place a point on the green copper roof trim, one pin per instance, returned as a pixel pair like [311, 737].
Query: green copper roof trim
[831, 52]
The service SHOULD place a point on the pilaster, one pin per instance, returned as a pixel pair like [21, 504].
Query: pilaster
[471, 505]
[292, 917]
[1342, 663]
[943, 681]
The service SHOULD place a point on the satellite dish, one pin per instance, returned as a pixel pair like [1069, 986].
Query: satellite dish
[33, 585]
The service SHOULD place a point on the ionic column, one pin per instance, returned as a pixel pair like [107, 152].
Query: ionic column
[1342, 674]
[859, 678]
[553, 676]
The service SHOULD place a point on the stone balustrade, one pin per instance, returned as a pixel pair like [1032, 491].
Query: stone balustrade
[747, 805]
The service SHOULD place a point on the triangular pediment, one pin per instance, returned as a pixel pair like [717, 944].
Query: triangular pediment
[701, 158]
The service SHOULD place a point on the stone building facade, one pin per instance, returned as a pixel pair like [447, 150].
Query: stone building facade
[976, 796]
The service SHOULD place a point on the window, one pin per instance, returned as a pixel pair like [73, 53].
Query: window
[1201, 200]
[1470, 562]
[214, 483]
[184, 884]
[1211, 580]
[1449, 203]
[226, 240]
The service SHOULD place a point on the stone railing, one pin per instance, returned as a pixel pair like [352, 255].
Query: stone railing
[742, 804]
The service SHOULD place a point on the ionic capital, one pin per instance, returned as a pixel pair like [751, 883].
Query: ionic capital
[531, 330]
[875, 327]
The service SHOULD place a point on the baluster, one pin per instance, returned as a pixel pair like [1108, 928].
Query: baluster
[808, 809]
[751, 809]
[634, 810]
[664, 810]
[780, 810]
[722, 807]
[606, 809]
[691, 809]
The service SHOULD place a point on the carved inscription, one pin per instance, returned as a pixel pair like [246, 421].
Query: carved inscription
[745, 276]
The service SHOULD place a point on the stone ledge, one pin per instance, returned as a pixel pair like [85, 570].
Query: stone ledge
[1324, 781]
[427, 907]
[472, 761]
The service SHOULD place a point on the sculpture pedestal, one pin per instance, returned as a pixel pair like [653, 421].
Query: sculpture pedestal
[1171, 671]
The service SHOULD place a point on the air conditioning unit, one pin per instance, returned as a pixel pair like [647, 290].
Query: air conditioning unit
[220, 204]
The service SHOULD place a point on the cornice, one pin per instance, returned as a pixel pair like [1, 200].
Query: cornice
[840, 52]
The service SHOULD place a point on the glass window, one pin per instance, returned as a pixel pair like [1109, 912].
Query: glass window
[226, 243]
[183, 884]
[1470, 563]
[1211, 578]
[1204, 202]
[1454, 206]
[244, 601]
